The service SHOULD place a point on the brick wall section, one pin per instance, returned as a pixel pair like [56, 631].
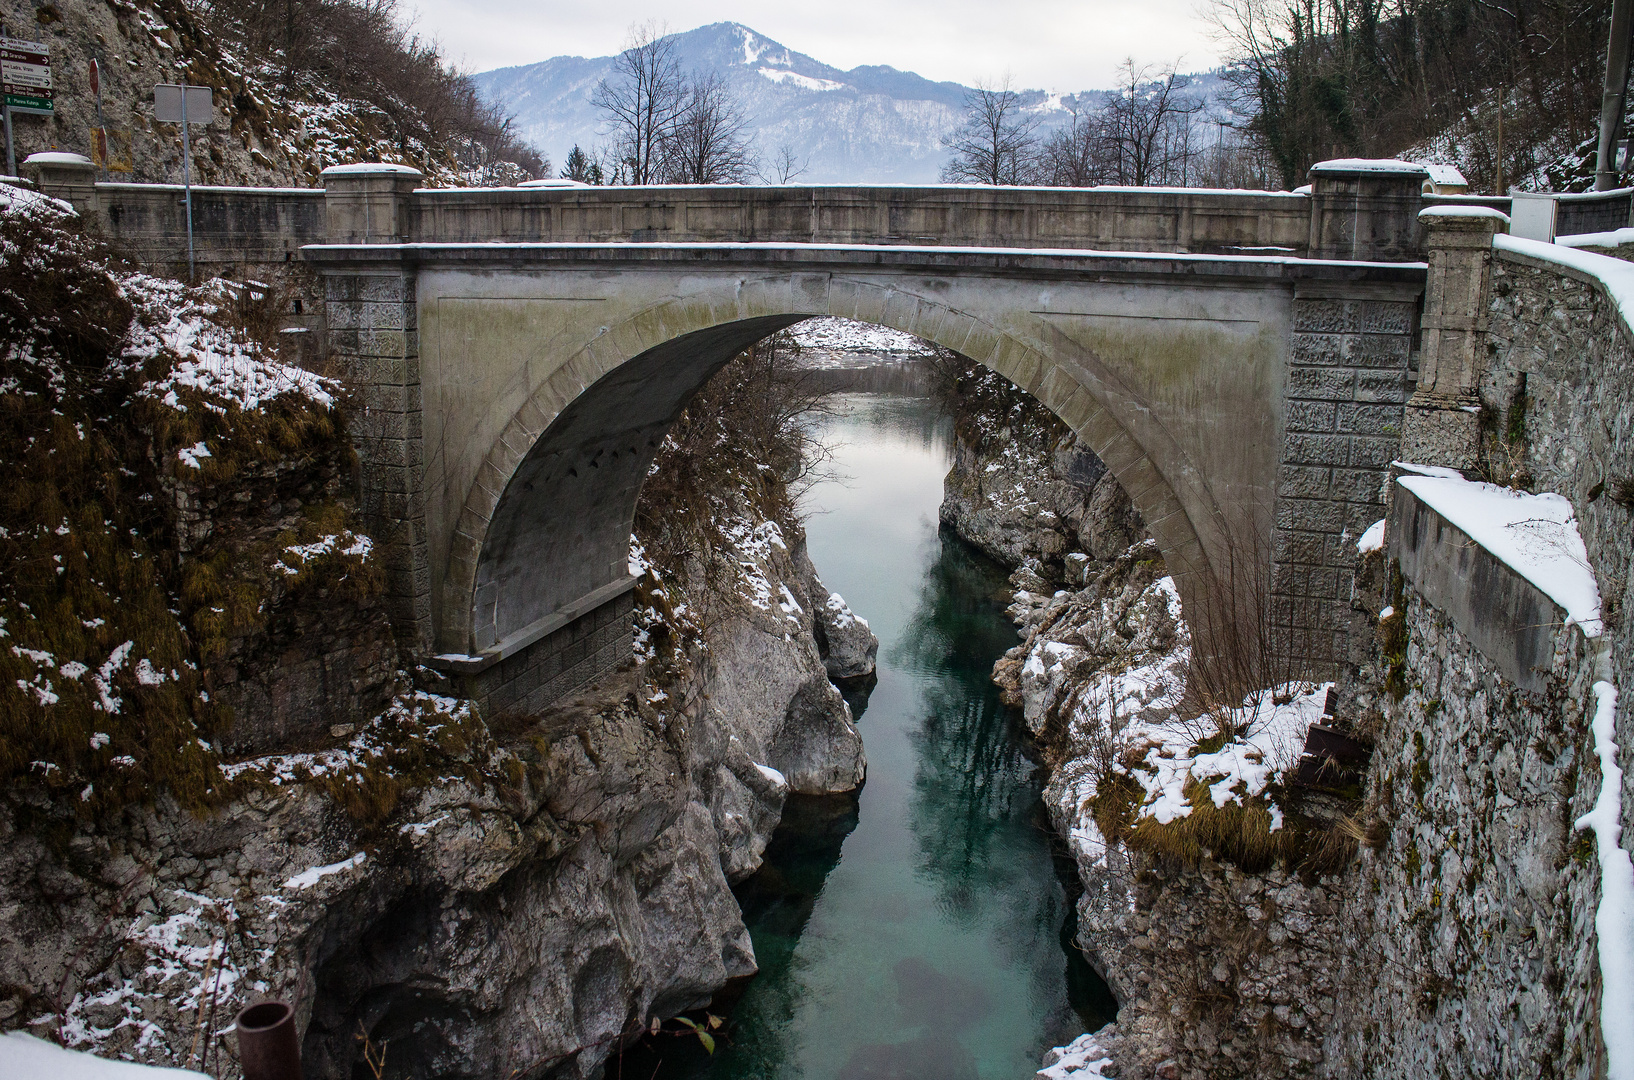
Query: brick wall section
[589, 647]
[374, 335]
[1347, 382]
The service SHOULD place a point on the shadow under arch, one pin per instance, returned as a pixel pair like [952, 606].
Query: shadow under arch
[545, 528]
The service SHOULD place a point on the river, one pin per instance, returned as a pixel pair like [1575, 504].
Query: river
[921, 930]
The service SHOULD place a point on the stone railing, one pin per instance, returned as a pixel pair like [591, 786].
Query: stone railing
[1355, 210]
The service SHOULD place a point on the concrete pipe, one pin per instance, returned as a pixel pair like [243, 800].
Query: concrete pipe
[267, 1046]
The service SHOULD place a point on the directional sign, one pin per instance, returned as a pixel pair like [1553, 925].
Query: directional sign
[167, 104]
[25, 70]
[96, 79]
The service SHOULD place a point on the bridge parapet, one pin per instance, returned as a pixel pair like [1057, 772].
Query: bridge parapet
[1357, 210]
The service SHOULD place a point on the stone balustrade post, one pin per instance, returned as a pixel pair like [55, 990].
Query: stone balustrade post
[1366, 209]
[69, 177]
[369, 204]
[1443, 422]
[374, 331]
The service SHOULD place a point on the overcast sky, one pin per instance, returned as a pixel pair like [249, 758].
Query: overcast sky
[1063, 45]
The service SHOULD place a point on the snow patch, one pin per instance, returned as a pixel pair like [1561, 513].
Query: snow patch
[1614, 921]
[1372, 539]
[1081, 1059]
[23, 1057]
[1534, 535]
[805, 82]
[308, 878]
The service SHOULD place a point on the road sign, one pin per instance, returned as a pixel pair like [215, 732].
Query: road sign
[25, 71]
[168, 106]
[185, 105]
[96, 79]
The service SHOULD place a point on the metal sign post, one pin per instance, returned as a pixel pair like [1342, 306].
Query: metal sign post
[99, 137]
[179, 104]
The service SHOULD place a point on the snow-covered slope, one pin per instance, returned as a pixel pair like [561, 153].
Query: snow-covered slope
[868, 125]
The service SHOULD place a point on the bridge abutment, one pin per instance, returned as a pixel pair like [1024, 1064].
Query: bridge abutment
[1348, 377]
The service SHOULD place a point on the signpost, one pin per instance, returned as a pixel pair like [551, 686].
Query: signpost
[99, 134]
[184, 105]
[25, 71]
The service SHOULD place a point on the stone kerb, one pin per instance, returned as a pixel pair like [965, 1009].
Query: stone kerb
[1442, 424]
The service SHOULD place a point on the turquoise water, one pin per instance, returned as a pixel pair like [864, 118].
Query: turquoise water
[918, 931]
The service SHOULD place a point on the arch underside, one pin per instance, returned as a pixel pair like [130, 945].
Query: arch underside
[547, 520]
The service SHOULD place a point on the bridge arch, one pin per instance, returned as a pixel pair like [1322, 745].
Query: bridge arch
[544, 526]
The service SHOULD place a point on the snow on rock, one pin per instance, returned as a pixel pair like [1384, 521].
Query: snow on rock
[1372, 539]
[1080, 1059]
[308, 878]
[23, 1057]
[212, 359]
[832, 333]
[772, 774]
[1614, 921]
[1534, 535]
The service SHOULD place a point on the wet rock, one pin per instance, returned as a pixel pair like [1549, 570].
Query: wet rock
[847, 645]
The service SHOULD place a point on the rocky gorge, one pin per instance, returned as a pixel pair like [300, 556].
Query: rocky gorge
[336, 830]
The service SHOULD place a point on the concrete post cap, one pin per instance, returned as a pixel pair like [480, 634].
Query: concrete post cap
[1352, 166]
[1464, 217]
[371, 168]
[58, 159]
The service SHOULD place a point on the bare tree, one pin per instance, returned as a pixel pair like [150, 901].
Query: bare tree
[707, 143]
[995, 144]
[785, 166]
[1075, 156]
[1148, 126]
[642, 102]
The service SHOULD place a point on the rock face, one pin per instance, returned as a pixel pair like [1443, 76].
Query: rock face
[532, 903]
[520, 900]
[1027, 490]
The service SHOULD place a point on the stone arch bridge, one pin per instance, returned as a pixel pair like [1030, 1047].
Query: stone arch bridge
[1239, 360]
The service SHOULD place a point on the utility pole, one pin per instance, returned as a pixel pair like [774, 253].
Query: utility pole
[1615, 95]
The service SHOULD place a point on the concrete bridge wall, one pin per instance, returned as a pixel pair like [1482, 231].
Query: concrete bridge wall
[522, 352]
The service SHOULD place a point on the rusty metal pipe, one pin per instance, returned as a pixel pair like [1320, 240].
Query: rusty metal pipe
[267, 1046]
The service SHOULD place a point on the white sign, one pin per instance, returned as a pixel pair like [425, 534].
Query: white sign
[25, 69]
[167, 104]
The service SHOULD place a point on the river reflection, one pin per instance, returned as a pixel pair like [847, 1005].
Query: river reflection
[917, 932]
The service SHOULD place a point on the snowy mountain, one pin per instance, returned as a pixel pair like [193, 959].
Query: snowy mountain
[871, 124]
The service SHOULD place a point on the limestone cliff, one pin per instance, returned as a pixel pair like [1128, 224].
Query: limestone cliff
[222, 783]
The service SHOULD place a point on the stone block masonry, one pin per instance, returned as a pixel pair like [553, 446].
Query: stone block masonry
[548, 670]
[374, 335]
[1349, 374]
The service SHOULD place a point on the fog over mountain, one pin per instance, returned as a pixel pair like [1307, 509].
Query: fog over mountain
[872, 124]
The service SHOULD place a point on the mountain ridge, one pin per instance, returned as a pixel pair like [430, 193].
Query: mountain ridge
[871, 124]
